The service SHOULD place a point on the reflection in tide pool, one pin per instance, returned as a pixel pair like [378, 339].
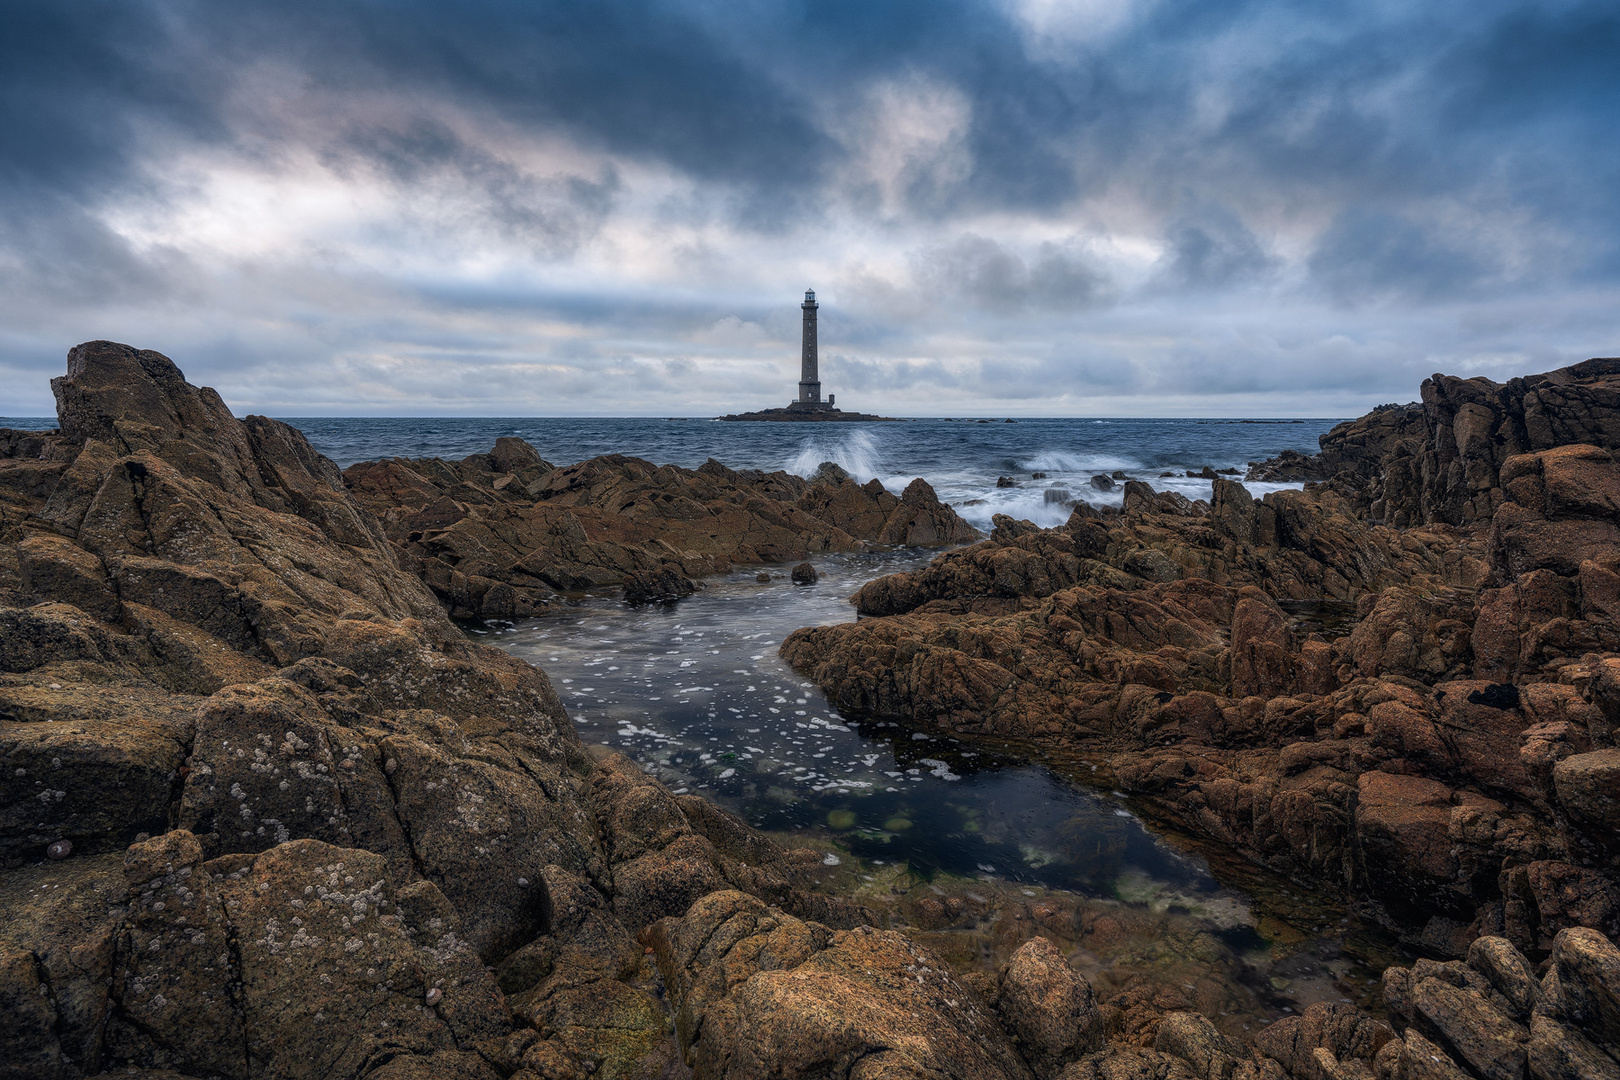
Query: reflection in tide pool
[696, 693]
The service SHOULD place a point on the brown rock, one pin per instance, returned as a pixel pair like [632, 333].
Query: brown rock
[1588, 787]
[1191, 1037]
[1420, 1059]
[1507, 971]
[760, 993]
[1560, 1053]
[661, 586]
[498, 537]
[1546, 896]
[1346, 1032]
[1587, 965]
[1261, 646]
[1049, 1007]
[1489, 1043]
[1404, 826]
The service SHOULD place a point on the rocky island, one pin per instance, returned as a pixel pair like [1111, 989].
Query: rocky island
[808, 406]
[267, 812]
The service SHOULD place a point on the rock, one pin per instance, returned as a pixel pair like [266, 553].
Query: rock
[661, 586]
[1005, 482]
[1560, 1053]
[1261, 646]
[1347, 1033]
[804, 574]
[512, 454]
[1507, 971]
[1441, 461]
[1587, 966]
[1588, 787]
[1543, 897]
[1421, 1059]
[1489, 1043]
[1191, 1037]
[1127, 1063]
[759, 992]
[1404, 823]
[204, 624]
[497, 543]
[1102, 483]
[1049, 1007]
[274, 924]
[373, 808]
[1151, 565]
[59, 934]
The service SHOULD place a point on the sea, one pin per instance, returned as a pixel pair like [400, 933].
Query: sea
[696, 693]
[962, 458]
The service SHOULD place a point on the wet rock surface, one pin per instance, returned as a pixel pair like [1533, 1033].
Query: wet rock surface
[1443, 749]
[267, 813]
[502, 534]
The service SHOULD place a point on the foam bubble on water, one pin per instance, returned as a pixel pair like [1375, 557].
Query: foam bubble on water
[856, 453]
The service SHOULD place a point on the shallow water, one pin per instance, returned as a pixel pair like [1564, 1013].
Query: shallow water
[697, 694]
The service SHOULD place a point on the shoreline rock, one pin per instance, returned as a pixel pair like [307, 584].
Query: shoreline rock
[1442, 752]
[315, 830]
[500, 535]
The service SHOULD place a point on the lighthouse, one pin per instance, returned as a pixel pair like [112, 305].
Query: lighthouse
[809, 399]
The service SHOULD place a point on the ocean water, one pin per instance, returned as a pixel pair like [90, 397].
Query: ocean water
[961, 459]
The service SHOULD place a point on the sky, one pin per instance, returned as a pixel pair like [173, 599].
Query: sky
[1006, 207]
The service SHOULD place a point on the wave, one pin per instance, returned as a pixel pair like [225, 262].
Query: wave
[1049, 461]
[856, 453]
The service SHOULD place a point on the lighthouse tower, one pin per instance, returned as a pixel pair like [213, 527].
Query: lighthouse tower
[809, 399]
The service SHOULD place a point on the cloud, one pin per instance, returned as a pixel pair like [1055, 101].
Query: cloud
[980, 272]
[1367, 255]
[1213, 250]
[551, 206]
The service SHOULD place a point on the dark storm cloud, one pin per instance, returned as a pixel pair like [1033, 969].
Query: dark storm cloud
[1334, 98]
[1368, 256]
[1213, 249]
[1250, 156]
[980, 272]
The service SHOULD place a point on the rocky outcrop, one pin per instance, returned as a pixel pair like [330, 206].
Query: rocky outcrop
[1423, 716]
[501, 534]
[1441, 462]
[306, 827]
[1489, 1017]
[265, 812]
[759, 992]
[1358, 447]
